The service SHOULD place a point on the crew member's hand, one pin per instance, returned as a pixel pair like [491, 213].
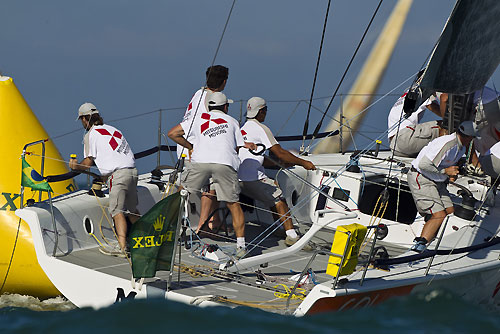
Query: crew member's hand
[72, 163]
[452, 172]
[309, 165]
[251, 146]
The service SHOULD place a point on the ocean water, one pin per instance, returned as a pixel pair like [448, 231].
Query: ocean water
[433, 313]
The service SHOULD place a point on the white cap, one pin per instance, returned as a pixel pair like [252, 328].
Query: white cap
[467, 128]
[218, 99]
[254, 105]
[87, 109]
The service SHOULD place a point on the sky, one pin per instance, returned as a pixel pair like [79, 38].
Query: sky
[131, 58]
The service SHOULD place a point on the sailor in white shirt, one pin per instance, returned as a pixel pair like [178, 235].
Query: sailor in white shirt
[217, 138]
[253, 180]
[216, 80]
[430, 171]
[107, 148]
[490, 162]
[412, 135]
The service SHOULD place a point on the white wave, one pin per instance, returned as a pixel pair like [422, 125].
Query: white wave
[35, 304]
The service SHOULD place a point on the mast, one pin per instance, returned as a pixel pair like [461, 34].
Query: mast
[368, 80]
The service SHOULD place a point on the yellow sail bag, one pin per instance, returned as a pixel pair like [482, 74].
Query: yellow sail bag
[341, 238]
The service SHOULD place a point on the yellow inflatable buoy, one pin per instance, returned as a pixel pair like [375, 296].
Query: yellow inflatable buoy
[19, 269]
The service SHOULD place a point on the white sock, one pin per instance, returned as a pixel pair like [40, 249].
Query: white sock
[240, 242]
[291, 233]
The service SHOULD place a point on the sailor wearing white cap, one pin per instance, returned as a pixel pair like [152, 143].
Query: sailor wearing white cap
[216, 140]
[254, 182]
[106, 147]
[433, 167]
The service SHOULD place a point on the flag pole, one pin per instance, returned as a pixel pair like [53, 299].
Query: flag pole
[184, 195]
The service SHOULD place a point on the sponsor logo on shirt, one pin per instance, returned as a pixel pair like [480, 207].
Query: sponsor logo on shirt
[206, 130]
[122, 147]
[244, 134]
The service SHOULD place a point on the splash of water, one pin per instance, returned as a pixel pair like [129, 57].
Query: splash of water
[35, 304]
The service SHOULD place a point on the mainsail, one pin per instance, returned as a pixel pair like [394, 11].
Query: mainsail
[458, 63]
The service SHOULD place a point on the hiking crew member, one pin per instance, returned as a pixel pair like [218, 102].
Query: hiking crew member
[106, 147]
[428, 177]
[216, 79]
[490, 162]
[413, 135]
[217, 138]
[253, 180]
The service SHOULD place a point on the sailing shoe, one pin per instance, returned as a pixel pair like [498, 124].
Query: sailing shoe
[240, 253]
[113, 251]
[420, 245]
[289, 241]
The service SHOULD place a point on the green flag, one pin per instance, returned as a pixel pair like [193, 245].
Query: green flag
[30, 178]
[152, 238]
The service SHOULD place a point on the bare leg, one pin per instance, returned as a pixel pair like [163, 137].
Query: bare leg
[238, 218]
[208, 204]
[283, 211]
[431, 227]
[133, 217]
[121, 229]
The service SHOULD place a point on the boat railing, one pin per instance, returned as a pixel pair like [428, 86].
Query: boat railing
[49, 194]
[311, 260]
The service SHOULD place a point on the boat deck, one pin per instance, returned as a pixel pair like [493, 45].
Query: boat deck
[265, 287]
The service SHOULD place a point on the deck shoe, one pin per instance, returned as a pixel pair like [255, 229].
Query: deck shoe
[240, 253]
[289, 241]
[420, 245]
[113, 251]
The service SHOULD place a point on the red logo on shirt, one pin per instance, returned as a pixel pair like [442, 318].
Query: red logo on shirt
[206, 125]
[243, 132]
[190, 106]
[112, 142]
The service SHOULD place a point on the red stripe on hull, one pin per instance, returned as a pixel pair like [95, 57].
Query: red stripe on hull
[357, 300]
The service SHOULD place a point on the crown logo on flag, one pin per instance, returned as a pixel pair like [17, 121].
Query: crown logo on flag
[158, 223]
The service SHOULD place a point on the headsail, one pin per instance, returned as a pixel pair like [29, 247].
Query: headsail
[468, 51]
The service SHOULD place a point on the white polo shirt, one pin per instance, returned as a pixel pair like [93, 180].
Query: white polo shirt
[216, 137]
[251, 168]
[197, 106]
[442, 152]
[109, 149]
[495, 150]
[397, 113]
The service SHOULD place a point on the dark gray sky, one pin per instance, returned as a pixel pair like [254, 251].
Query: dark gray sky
[132, 57]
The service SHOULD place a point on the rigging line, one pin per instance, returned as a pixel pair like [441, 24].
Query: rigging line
[209, 72]
[289, 117]
[118, 119]
[328, 97]
[316, 130]
[306, 123]
[364, 110]
[11, 256]
[378, 130]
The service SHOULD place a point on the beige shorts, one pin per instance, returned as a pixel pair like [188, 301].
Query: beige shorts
[429, 196]
[412, 140]
[123, 191]
[264, 190]
[225, 180]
